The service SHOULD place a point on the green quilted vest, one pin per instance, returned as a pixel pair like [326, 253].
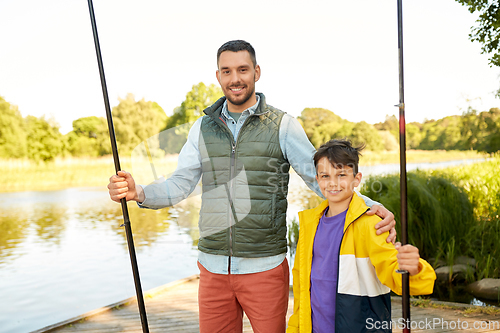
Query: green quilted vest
[243, 206]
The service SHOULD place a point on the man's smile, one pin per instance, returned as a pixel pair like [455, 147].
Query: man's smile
[236, 90]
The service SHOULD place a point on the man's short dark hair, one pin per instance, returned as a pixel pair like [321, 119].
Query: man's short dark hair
[235, 46]
[340, 152]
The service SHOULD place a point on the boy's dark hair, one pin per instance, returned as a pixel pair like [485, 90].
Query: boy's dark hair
[235, 46]
[339, 152]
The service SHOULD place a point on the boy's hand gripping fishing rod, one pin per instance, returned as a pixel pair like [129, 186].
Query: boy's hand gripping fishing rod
[402, 158]
[126, 219]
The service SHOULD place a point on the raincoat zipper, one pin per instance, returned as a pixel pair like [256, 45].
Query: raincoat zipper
[338, 261]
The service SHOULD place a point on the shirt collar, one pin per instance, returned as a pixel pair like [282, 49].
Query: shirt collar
[251, 110]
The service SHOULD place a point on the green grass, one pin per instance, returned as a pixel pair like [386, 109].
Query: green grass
[469, 310]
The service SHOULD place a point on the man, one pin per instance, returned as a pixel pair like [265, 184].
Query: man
[242, 149]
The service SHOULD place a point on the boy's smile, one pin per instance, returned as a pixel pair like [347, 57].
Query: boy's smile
[337, 184]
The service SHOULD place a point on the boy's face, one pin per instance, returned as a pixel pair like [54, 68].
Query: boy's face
[336, 184]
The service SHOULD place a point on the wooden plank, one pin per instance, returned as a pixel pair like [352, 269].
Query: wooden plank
[174, 308]
[117, 306]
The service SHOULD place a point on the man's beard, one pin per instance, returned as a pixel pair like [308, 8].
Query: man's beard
[242, 100]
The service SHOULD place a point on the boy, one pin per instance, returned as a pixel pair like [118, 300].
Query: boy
[343, 271]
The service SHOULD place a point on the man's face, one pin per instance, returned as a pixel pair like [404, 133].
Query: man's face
[336, 184]
[237, 77]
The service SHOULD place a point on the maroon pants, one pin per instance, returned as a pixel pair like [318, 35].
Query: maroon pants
[263, 296]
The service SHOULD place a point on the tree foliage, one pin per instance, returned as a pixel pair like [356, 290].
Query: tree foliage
[443, 133]
[388, 140]
[487, 31]
[44, 140]
[470, 131]
[363, 132]
[177, 128]
[198, 99]
[322, 125]
[90, 137]
[390, 124]
[12, 131]
[413, 135]
[136, 121]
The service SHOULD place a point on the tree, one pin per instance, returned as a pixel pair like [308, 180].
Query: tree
[492, 144]
[44, 140]
[12, 131]
[363, 132]
[90, 137]
[312, 119]
[390, 124]
[322, 125]
[388, 140]
[445, 133]
[487, 32]
[488, 138]
[136, 121]
[198, 99]
[177, 128]
[469, 128]
[413, 135]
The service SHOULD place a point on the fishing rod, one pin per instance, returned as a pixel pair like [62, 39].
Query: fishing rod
[123, 201]
[403, 184]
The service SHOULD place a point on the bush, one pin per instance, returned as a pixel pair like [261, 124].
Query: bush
[449, 210]
[438, 211]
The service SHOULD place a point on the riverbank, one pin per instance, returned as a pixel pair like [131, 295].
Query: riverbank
[418, 156]
[26, 175]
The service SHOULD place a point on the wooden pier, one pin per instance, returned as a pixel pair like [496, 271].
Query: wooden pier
[174, 308]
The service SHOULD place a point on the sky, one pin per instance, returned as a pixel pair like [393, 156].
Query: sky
[338, 55]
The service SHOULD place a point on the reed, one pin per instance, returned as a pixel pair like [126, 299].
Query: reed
[438, 210]
[451, 212]
[480, 182]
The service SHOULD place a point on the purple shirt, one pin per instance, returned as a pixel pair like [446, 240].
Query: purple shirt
[324, 271]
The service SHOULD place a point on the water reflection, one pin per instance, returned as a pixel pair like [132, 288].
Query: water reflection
[49, 222]
[63, 253]
[14, 229]
[146, 224]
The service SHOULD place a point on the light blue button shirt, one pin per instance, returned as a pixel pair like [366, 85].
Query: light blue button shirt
[296, 148]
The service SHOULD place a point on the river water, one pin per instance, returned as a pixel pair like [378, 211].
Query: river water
[63, 253]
